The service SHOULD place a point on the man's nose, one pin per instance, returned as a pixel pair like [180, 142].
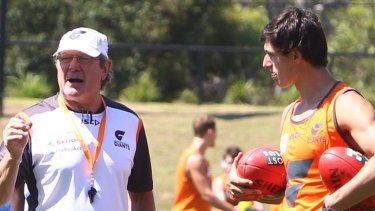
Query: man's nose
[266, 62]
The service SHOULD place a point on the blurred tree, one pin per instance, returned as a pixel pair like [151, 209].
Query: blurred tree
[274, 7]
[194, 22]
[354, 32]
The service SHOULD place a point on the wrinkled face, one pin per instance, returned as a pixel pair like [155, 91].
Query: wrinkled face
[79, 75]
[281, 67]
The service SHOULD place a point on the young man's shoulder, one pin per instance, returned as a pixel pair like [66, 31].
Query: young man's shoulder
[196, 161]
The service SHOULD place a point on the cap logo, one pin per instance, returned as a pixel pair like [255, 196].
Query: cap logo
[76, 34]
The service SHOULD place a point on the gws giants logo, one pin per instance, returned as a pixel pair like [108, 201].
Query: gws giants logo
[315, 128]
[317, 136]
[119, 143]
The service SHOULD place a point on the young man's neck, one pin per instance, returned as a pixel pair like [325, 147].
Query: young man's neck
[199, 144]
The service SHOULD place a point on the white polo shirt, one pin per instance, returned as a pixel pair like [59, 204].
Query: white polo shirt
[55, 168]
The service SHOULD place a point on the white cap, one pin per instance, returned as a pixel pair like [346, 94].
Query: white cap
[86, 40]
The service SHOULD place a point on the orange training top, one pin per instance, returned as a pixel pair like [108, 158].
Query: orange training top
[187, 196]
[301, 145]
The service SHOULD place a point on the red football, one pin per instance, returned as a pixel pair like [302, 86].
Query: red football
[337, 166]
[265, 167]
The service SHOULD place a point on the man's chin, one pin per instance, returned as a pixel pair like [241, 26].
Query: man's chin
[71, 93]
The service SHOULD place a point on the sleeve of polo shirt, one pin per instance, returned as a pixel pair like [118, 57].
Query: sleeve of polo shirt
[140, 179]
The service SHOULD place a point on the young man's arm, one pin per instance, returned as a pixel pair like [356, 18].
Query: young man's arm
[356, 117]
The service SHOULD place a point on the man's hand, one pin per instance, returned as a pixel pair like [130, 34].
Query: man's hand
[15, 136]
[239, 188]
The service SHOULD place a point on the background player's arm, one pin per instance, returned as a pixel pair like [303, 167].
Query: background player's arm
[197, 171]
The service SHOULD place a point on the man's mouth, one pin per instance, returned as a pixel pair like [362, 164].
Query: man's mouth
[273, 75]
[75, 80]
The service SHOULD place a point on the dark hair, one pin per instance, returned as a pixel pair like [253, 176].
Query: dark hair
[202, 123]
[232, 151]
[298, 29]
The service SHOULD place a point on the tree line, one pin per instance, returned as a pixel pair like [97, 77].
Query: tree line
[167, 50]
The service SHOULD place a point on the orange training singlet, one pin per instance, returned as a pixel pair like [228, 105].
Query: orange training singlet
[301, 145]
[187, 196]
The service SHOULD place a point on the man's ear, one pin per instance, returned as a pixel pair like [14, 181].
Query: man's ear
[107, 68]
[211, 130]
[296, 55]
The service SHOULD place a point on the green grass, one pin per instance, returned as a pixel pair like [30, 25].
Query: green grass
[169, 132]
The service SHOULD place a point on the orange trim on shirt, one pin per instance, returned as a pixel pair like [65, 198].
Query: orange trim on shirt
[140, 123]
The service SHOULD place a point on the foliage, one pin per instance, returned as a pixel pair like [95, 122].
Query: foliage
[237, 92]
[285, 96]
[219, 22]
[248, 91]
[24, 84]
[143, 90]
[188, 96]
[188, 25]
[354, 34]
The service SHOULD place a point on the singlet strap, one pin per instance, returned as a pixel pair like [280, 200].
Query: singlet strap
[352, 144]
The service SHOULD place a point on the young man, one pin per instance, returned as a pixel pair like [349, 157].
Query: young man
[78, 150]
[193, 187]
[328, 113]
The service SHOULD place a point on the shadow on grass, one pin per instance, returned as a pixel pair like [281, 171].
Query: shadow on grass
[233, 116]
[219, 115]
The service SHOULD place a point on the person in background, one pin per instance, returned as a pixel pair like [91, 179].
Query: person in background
[194, 175]
[219, 182]
[78, 150]
[328, 113]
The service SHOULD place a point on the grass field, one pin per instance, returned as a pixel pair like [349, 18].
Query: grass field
[169, 132]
